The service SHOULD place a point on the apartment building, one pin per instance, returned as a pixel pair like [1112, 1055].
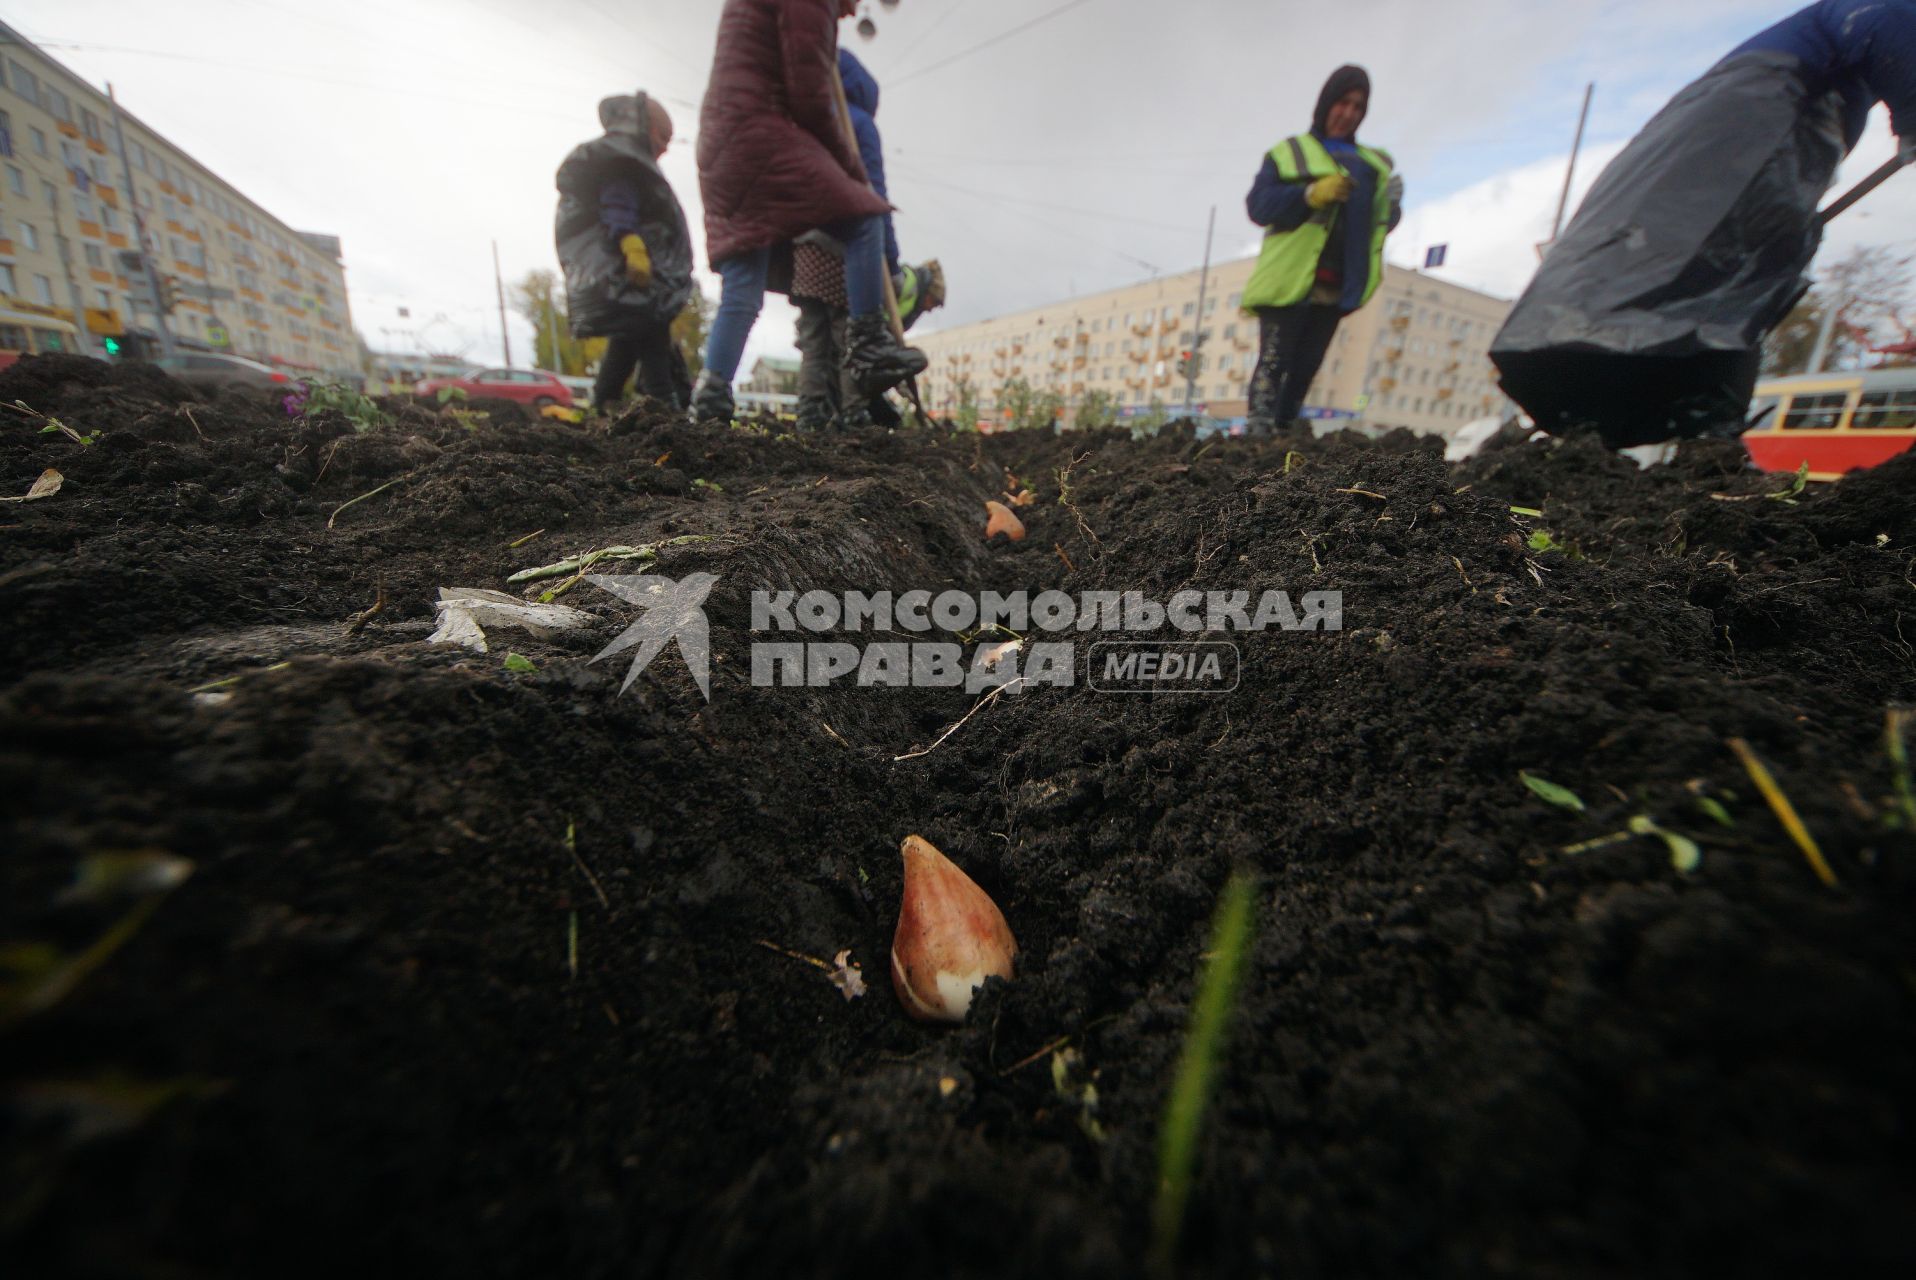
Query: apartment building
[1417, 356]
[241, 281]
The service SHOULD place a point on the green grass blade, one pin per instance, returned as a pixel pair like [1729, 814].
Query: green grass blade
[1199, 1064]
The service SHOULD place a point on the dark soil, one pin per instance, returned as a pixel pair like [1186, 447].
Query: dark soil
[355, 1035]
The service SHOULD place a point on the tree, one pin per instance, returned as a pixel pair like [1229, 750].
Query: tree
[1099, 408]
[966, 394]
[1028, 407]
[539, 299]
[1871, 291]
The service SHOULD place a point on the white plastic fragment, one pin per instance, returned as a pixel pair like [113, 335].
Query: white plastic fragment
[847, 976]
[465, 612]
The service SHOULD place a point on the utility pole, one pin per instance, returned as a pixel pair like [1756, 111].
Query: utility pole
[1825, 332]
[1563, 204]
[139, 227]
[499, 281]
[552, 332]
[1197, 327]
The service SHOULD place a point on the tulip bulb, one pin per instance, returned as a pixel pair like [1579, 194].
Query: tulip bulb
[1003, 520]
[951, 937]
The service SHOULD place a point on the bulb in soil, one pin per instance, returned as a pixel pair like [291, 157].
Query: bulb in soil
[951, 937]
[1003, 520]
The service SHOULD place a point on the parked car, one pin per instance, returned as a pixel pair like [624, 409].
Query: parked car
[535, 387]
[581, 388]
[209, 372]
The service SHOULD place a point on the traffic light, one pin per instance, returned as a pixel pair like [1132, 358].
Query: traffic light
[112, 348]
[1184, 364]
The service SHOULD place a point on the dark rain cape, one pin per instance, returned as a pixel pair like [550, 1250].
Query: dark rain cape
[600, 301]
[1647, 318]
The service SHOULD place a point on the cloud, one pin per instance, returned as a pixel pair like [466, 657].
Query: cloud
[1081, 155]
[1492, 227]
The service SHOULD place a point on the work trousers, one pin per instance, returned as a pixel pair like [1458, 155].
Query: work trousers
[742, 289]
[1292, 342]
[661, 368]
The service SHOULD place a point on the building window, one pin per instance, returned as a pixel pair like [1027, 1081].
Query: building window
[7, 285]
[105, 299]
[39, 140]
[94, 258]
[30, 236]
[112, 218]
[24, 83]
[16, 181]
[43, 291]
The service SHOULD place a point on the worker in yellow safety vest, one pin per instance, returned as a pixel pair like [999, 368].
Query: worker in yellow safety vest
[1326, 202]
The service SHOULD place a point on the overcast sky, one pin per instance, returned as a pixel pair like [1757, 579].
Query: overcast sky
[1080, 154]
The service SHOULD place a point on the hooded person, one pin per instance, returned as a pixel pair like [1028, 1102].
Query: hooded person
[1326, 202]
[825, 394]
[776, 161]
[625, 251]
[1647, 318]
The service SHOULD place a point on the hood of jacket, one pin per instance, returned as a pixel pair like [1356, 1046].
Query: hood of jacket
[1342, 81]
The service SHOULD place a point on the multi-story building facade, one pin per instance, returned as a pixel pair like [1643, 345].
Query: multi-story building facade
[240, 280]
[1416, 357]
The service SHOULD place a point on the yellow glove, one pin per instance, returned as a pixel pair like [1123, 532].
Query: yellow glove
[1326, 192]
[638, 263]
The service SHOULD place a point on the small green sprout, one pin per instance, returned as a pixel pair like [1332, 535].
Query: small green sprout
[1550, 793]
[1199, 1064]
[519, 663]
[1788, 496]
[1685, 856]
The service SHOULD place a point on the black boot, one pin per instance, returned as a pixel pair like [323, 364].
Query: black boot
[814, 413]
[875, 359]
[711, 399]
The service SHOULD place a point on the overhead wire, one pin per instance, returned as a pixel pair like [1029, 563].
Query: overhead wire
[943, 17]
[1073, 234]
[962, 54]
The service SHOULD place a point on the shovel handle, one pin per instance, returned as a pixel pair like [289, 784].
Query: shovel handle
[1843, 202]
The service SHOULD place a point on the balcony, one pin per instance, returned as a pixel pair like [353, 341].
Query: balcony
[90, 229]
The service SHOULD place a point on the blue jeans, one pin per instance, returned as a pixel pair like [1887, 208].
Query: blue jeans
[742, 289]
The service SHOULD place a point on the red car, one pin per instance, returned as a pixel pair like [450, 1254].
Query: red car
[535, 387]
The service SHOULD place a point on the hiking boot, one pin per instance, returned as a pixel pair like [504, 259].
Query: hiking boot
[875, 359]
[855, 416]
[711, 398]
[814, 413]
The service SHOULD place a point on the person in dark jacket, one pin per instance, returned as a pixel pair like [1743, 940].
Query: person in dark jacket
[776, 161]
[626, 251]
[1326, 202]
[818, 285]
[1647, 318]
